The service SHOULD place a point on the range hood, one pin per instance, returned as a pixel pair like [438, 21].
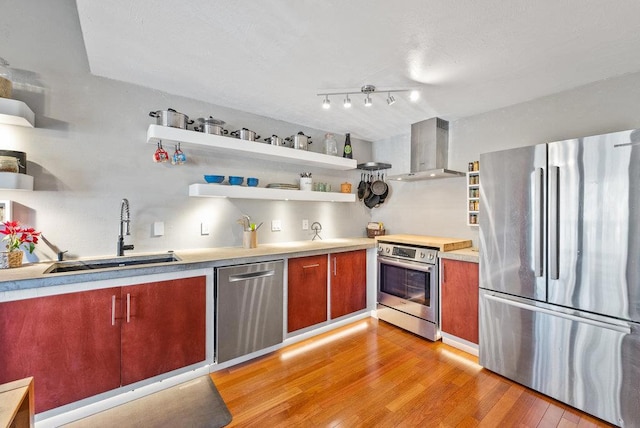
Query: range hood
[429, 152]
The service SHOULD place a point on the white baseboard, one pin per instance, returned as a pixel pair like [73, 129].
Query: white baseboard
[462, 344]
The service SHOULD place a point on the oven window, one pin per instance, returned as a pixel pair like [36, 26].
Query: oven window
[405, 283]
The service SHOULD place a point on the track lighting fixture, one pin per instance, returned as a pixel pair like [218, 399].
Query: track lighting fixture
[367, 90]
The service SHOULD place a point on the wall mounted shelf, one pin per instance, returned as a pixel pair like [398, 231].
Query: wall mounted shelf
[248, 149]
[242, 192]
[473, 196]
[14, 112]
[15, 181]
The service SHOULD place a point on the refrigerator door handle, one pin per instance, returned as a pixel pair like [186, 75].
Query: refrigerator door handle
[538, 222]
[619, 328]
[554, 215]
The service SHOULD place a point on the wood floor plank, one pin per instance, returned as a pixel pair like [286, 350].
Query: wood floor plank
[552, 416]
[377, 375]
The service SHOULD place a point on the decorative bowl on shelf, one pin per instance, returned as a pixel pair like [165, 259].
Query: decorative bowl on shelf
[214, 178]
[235, 181]
[252, 182]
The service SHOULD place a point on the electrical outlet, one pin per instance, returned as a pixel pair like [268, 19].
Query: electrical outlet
[305, 224]
[276, 225]
[204, 228]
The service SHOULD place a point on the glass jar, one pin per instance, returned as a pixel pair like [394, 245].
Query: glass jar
[6, 84]
[330, 145]
[9, 164]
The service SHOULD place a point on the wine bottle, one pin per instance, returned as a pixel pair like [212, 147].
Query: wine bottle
[348, 151]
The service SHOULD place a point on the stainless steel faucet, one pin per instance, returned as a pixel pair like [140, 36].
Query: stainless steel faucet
[54, 247]
[125, 219]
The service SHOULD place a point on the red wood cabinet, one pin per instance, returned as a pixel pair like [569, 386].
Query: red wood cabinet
[78, 345]
[307, 292]
[67, 342]
[163, 327]
[348, 282]
[459, 299]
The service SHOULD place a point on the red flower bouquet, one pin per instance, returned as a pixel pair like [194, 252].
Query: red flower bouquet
[17, 236]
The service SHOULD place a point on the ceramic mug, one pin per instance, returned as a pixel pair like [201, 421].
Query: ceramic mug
[161, 154]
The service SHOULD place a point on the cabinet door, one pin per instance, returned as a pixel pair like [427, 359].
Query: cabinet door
[348, 282]
[163, 327]
[459, 297]
[69, 343]
[307, 292]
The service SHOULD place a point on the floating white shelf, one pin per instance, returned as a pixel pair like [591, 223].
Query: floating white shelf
[15, 181]
[252, 149]
[14, 112]
[242, 192]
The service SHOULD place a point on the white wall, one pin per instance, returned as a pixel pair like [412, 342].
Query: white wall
[439, 207]
[88, 151]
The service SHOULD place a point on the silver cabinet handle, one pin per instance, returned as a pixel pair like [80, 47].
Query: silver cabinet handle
[113, 310]
[128, 307]
[335, 266]
[310, 266]
[538, 206]
[615, 327]
[554, 216]
[251, 275]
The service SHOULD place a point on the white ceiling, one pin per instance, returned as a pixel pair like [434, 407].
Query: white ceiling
[272, 58]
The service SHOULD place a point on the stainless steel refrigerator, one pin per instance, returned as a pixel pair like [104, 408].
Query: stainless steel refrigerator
[560, 271]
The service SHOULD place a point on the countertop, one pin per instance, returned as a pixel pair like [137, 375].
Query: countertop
[32, 275]
[443, 244]
[470, 254]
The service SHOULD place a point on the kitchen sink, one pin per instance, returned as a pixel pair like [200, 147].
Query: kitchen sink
[96, 264]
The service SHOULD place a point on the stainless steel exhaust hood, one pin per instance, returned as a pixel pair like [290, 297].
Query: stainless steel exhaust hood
[429, 152]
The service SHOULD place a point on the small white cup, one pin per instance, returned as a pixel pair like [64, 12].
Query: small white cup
[306, 183]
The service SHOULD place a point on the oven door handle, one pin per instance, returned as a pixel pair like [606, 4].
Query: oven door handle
[422, 267]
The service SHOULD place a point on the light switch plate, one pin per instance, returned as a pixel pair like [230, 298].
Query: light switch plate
[158, 228]
[305, 224]
[204, 228]
[276, 225]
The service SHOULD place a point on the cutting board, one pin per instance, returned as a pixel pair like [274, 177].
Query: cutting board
[443, 244]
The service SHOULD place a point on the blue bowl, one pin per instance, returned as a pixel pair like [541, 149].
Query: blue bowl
[214, 178]
[252, 181]
[235, 181]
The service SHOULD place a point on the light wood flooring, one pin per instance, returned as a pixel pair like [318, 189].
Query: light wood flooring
[372, 374]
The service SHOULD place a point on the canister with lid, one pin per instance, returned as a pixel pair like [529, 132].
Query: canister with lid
[6, 84]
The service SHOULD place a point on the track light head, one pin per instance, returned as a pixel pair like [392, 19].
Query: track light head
[347, 102]
[367, 101]
[326, 104]
[391, 99]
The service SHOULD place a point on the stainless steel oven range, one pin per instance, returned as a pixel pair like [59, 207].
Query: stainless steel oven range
[408, 288]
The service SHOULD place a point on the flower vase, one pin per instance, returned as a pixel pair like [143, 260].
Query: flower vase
[11, 259]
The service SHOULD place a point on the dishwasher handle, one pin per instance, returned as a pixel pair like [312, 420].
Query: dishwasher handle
[251, 275]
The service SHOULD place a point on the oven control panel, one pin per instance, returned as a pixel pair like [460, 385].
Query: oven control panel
[406, 252]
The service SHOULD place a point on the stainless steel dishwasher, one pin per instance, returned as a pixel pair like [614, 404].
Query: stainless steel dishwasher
[249, 308]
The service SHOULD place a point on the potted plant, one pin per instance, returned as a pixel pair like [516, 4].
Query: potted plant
[16, 236]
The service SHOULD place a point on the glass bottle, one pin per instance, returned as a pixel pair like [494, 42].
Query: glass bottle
[330, 145]
[348, 151]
